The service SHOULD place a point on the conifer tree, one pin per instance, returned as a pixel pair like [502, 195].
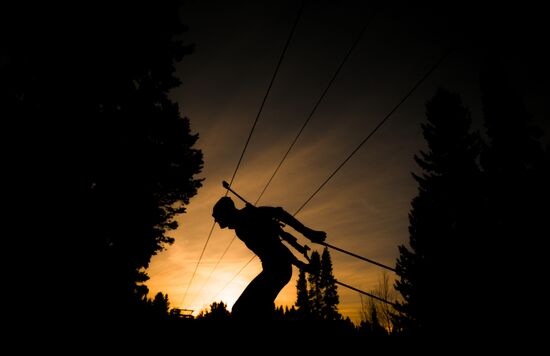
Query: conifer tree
[106, 151]
[436, 270]
[160, 305]
[517, 173]
[329, 292]
[302, 304]
[315, 296]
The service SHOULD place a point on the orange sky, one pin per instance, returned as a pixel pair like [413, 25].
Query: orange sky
[358, 211]
[364, 208]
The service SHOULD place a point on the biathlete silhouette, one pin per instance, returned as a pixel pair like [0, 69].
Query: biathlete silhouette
[261, 230]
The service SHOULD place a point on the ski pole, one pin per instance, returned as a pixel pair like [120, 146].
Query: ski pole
[356, 256]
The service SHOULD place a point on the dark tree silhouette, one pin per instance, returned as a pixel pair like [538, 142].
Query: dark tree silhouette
[160, 305]
[370, 326]
[217, 311]
[437, 271]
[315, 295]
[329, 290]
[100, 145]
[303, 304]
[385, 313]
[517, 174]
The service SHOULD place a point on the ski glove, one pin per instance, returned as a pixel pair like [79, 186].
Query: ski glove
[315, 236]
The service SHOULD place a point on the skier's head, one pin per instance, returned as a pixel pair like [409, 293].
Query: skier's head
[224, 212]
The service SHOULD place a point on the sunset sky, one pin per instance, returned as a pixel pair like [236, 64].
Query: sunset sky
[364, 208]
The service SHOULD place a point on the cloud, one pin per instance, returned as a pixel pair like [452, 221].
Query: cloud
[363, 209]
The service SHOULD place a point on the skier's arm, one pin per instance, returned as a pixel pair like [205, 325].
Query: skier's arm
[283, 216]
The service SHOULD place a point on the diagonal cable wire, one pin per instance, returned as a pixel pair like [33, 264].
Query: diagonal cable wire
[418, 83]
[321, 97]
[413, 89]
[216, 266]
[235, 276]
[197, 265]
[268, 90]
[430, 71]
[314, 109]
[250, 135]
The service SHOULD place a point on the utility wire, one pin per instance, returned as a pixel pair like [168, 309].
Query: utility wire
[197, 265]
[216, 265]
[321, 97]
[432, 69]
[250, 134]
[235, 276]
[268, 90]
[314, 109]
[336, 281]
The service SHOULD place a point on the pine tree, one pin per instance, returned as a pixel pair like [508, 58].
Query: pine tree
[315, 296]
[302, 304]
[329, 292]
[436, 270]
[160, 305]
[517, 173]
[106, 151]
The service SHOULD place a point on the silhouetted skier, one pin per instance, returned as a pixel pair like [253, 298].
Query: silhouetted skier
[260, 229]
